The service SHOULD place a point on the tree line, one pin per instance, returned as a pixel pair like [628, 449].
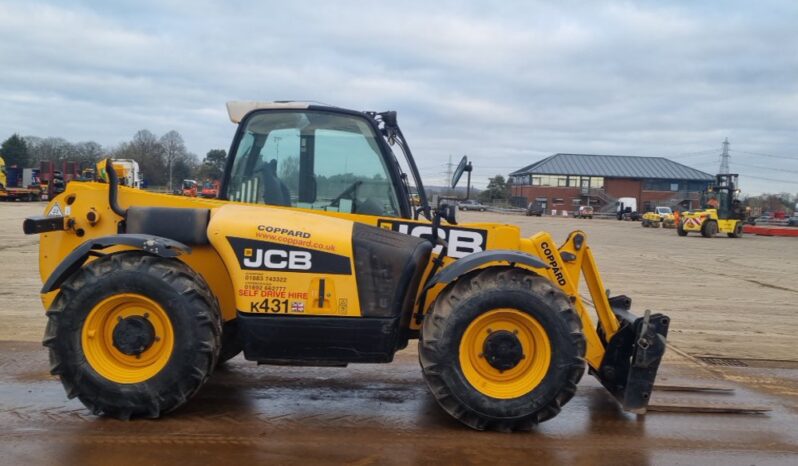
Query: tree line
[157, 156]
[781, 202]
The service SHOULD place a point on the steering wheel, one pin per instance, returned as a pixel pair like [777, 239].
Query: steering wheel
[351, 189]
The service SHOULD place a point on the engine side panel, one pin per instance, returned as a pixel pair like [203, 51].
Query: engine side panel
[81, 198]
[286, 264]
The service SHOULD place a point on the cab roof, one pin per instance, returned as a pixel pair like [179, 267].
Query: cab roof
[238, 109]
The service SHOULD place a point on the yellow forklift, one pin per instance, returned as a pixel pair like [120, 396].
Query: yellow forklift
[722, 211]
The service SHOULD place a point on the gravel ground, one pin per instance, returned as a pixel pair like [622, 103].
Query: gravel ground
[727, 297]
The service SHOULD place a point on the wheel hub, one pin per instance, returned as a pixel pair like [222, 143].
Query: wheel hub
[503, 350]
[133, 335]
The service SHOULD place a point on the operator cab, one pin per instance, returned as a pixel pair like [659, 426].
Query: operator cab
[723, 196]
[296, 154]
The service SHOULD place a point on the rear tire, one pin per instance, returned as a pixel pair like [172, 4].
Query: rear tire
[517, 398]
[709, 229]
[101, 371]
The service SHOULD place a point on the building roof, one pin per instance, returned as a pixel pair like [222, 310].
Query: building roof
[613, 166]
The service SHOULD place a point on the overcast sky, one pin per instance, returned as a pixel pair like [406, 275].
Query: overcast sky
[506, 84]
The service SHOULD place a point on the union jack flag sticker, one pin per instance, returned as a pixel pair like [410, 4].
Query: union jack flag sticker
[297, 306]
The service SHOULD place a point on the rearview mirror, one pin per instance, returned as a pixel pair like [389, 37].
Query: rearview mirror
[449, 213]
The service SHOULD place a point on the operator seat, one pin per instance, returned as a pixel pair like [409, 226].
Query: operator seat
[275, 192]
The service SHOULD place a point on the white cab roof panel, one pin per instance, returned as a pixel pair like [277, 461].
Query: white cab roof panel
[238, 109]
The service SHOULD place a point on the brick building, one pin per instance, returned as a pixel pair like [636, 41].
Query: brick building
[566, 181]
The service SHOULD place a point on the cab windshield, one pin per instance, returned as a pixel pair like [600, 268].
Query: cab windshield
[313, 160]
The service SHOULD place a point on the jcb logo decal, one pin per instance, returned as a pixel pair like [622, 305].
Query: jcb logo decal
[462, 241]
[277, 259]
[265, 255]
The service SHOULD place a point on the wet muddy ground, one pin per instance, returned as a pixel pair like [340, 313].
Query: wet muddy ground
[730, 306]
[375, 414]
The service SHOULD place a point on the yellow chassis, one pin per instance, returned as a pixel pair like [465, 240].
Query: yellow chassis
[567, 263]
[623, 351]
[694, 220]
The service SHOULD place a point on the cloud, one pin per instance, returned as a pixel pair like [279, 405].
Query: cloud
[505, 84]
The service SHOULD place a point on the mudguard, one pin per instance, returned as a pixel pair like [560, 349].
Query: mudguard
[476, 260]
[157, 245]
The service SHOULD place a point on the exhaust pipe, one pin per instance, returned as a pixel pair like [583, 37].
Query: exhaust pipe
[113, 189]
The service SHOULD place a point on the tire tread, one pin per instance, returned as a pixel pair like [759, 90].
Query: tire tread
[442, 310]
[175, 274]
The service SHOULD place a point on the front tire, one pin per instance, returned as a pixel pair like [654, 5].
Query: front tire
[133, 334]
[522, 378]
[709, 229]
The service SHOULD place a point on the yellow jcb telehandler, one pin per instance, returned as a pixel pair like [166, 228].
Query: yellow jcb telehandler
[316, 254]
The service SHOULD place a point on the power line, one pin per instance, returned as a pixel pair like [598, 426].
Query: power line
[715, 155]
[754, 167]
[688, 154]
[771, 179]
[766, 168]
[767, 155]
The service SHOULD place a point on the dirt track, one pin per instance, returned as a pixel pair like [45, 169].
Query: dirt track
[20, 306]
[726, 297]
[731, 298]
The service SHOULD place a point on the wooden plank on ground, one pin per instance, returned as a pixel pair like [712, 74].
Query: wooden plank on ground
[701, 406]
[687, 387]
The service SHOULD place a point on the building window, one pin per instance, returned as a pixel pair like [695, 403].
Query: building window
[521, 180]
[557, 201]
[565, 181]
[664, 185]
[576, 202]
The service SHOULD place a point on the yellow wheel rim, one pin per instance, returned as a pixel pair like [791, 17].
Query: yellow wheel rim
[97, 338]
[516, 381]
